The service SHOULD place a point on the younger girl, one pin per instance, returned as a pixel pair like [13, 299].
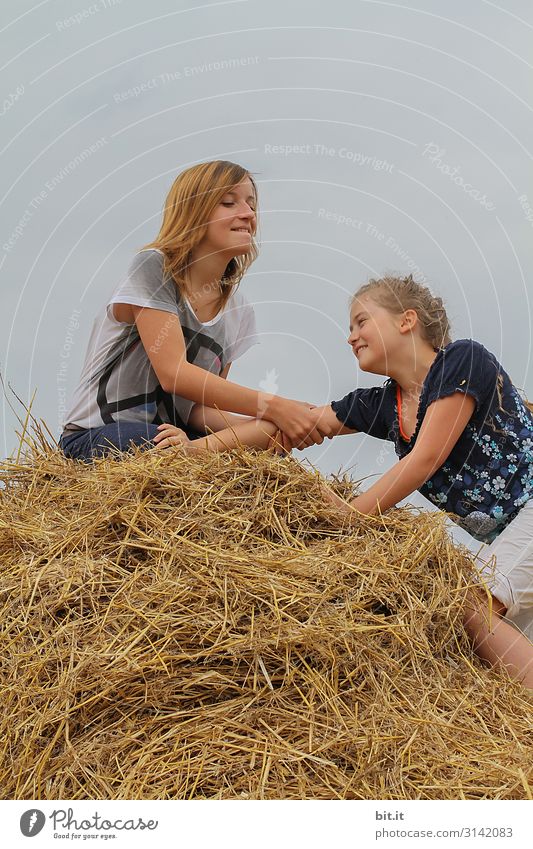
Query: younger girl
[464, 437]
[162, 346]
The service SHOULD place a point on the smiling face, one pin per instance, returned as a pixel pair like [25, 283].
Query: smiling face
[376, 335]
[233, 222]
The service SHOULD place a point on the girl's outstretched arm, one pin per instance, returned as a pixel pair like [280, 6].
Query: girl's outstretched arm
[328, 423]
[206, 419]
[256, 433]
[162, 337]
[232, 431]
[443, 424]
[253, 433]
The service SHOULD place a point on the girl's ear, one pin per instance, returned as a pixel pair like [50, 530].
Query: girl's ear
[408, 321]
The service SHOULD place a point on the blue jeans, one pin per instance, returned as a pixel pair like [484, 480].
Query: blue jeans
[96, 442]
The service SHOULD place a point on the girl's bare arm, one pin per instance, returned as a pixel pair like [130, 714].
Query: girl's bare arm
[443, 424]
[162, 338]
[329, 424]
[253, 434]
[205, 419]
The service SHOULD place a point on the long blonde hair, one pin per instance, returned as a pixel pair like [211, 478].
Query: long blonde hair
[189, 205]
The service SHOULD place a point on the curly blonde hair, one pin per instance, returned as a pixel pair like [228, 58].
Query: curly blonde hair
[398, 294]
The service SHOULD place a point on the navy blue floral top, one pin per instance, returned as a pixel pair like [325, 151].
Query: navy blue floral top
[488, 475]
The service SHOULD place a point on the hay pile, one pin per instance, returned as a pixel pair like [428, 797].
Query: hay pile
[177, 627]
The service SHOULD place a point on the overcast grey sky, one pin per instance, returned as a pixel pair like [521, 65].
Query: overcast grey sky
[383, 136]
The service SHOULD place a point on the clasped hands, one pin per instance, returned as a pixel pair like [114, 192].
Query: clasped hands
[300, 424]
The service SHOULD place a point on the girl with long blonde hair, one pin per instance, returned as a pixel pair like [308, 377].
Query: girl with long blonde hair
[161, 348]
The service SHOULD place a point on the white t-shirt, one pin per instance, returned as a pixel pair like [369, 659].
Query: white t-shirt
[118, 382]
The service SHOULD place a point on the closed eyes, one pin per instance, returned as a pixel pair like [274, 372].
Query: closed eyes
[233, 203]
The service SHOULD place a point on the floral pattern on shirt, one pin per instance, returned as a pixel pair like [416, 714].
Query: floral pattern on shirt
[488, 475]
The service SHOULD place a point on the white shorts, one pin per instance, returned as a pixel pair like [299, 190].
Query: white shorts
[510, 577]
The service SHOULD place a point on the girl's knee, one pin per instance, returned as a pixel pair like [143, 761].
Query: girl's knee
[480, 609]
[477, 599]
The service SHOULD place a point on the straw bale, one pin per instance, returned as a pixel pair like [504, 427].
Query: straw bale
[181, 627]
